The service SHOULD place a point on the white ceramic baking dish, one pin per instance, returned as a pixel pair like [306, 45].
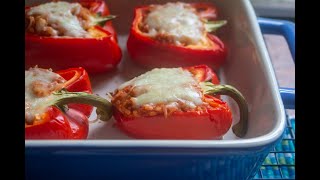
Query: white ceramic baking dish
[108, 153]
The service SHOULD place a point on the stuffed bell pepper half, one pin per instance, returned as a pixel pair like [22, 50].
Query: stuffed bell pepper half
[176, 34]
[60, 35]
[177, 103]
[58, 104]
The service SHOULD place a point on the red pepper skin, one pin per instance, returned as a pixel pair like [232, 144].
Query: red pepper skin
[72, 125]
[148, 52]
[78, 81]
[208, 124]
[203, 73]
[96, 55]
[99, 6]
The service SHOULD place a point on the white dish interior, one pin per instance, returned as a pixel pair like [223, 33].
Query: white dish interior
[248, 68]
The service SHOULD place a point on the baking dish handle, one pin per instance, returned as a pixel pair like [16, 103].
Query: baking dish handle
[286, 29]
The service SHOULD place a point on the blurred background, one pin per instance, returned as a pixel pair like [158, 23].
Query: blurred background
[284, 9]
[277, 45]
[280, 163]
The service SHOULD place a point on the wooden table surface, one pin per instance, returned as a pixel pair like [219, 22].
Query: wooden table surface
[282, 62]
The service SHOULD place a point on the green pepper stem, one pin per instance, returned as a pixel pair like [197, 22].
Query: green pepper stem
[101, 20]
[212, 26]
[62, 98]
[239, 129]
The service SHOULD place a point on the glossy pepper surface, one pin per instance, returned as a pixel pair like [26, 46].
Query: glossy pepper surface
[95, 54]
[211, 123]
[150, 52]
[67, 112]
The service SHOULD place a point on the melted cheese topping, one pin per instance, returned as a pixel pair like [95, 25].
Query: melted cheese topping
[166, 85]
[179, 21]
[36, 96]
[61, 15]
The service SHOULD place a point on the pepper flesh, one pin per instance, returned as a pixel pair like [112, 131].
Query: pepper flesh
[78, 82]
[74, 123]
[96, 55]
[211, 123]
[149, 52]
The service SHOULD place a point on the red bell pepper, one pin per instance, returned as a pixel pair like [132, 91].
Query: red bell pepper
[96, 54]
[211, 123]
[150, 52]
[71, 122]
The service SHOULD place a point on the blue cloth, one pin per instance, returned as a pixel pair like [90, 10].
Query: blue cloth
[280, 163]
